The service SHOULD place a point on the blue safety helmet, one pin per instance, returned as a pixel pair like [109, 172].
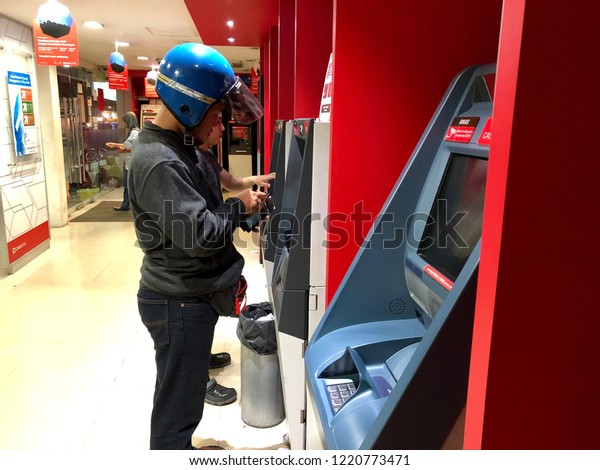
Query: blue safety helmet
[192, 77]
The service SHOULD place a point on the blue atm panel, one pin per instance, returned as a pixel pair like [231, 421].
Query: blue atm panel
[388, 365]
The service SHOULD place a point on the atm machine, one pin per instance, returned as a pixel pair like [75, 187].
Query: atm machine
[241, 149]
[268, 229]
[298, 281]
[387, 367]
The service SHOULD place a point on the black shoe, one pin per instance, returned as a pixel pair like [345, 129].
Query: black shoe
[218, 360]
[218, 395]
[115, 208]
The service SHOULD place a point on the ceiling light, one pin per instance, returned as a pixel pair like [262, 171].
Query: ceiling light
[121, 44]
[231, 39]
[230, 23]
[142, 57]
[93, 25]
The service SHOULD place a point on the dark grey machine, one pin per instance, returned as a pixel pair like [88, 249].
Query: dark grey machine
[269, 228]
[298, 280]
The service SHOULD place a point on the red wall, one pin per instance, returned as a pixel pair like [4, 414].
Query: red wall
[286, 60]
[314, 19]
[534, 376]
[298, 53]
[268, 67]
[392, 65]
[138, 88]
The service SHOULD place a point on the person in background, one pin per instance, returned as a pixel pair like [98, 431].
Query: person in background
[133, 129]
[218, 177]
[191, 268]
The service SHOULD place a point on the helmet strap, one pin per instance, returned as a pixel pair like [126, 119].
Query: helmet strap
[188, 138]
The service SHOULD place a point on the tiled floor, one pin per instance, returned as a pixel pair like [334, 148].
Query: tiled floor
[76, 364]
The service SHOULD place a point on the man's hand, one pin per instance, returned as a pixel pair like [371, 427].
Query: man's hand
[252, 200]
[115, 145]
[262, 181]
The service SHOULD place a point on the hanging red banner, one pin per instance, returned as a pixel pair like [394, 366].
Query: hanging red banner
[118, 80]
[51, 49]
[149, 90]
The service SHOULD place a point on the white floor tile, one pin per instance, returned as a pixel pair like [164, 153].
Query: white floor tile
[77, 366]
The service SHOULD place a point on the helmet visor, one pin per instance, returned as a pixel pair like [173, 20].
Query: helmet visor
[241, 103]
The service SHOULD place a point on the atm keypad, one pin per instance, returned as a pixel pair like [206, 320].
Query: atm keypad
[340, 393]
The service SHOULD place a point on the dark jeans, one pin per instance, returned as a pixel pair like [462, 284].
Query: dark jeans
[182, 330]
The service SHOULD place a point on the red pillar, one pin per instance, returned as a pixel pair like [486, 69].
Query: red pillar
[270, 75]
[392, 65]
[286, 60]
[534, 380]
[265, 78]
[314, 29]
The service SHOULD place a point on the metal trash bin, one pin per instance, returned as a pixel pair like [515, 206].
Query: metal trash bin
[261, 397]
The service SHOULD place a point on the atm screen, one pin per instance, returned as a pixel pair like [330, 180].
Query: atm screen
[454, 226]
[239, 133]
[286, 212]
[293, 172]
[240, 139]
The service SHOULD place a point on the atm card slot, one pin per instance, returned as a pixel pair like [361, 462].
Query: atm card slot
[398, 362]
[377, 378]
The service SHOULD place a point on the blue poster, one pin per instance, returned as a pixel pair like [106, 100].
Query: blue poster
[20, 96]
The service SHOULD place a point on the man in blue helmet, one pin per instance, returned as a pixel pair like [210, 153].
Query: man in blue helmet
[190, 268]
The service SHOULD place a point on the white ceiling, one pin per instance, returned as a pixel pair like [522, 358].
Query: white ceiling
[152, 27]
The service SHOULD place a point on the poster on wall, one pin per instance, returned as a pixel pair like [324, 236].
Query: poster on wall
[55, 36]
[20, 98]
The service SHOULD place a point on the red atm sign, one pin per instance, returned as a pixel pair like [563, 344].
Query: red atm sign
[462, 129]
[486, 134]
[439, 277]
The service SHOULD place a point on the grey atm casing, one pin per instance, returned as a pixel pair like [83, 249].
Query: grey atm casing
[268, 234]
[298, 280]
[300, 250]
[410, 363]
